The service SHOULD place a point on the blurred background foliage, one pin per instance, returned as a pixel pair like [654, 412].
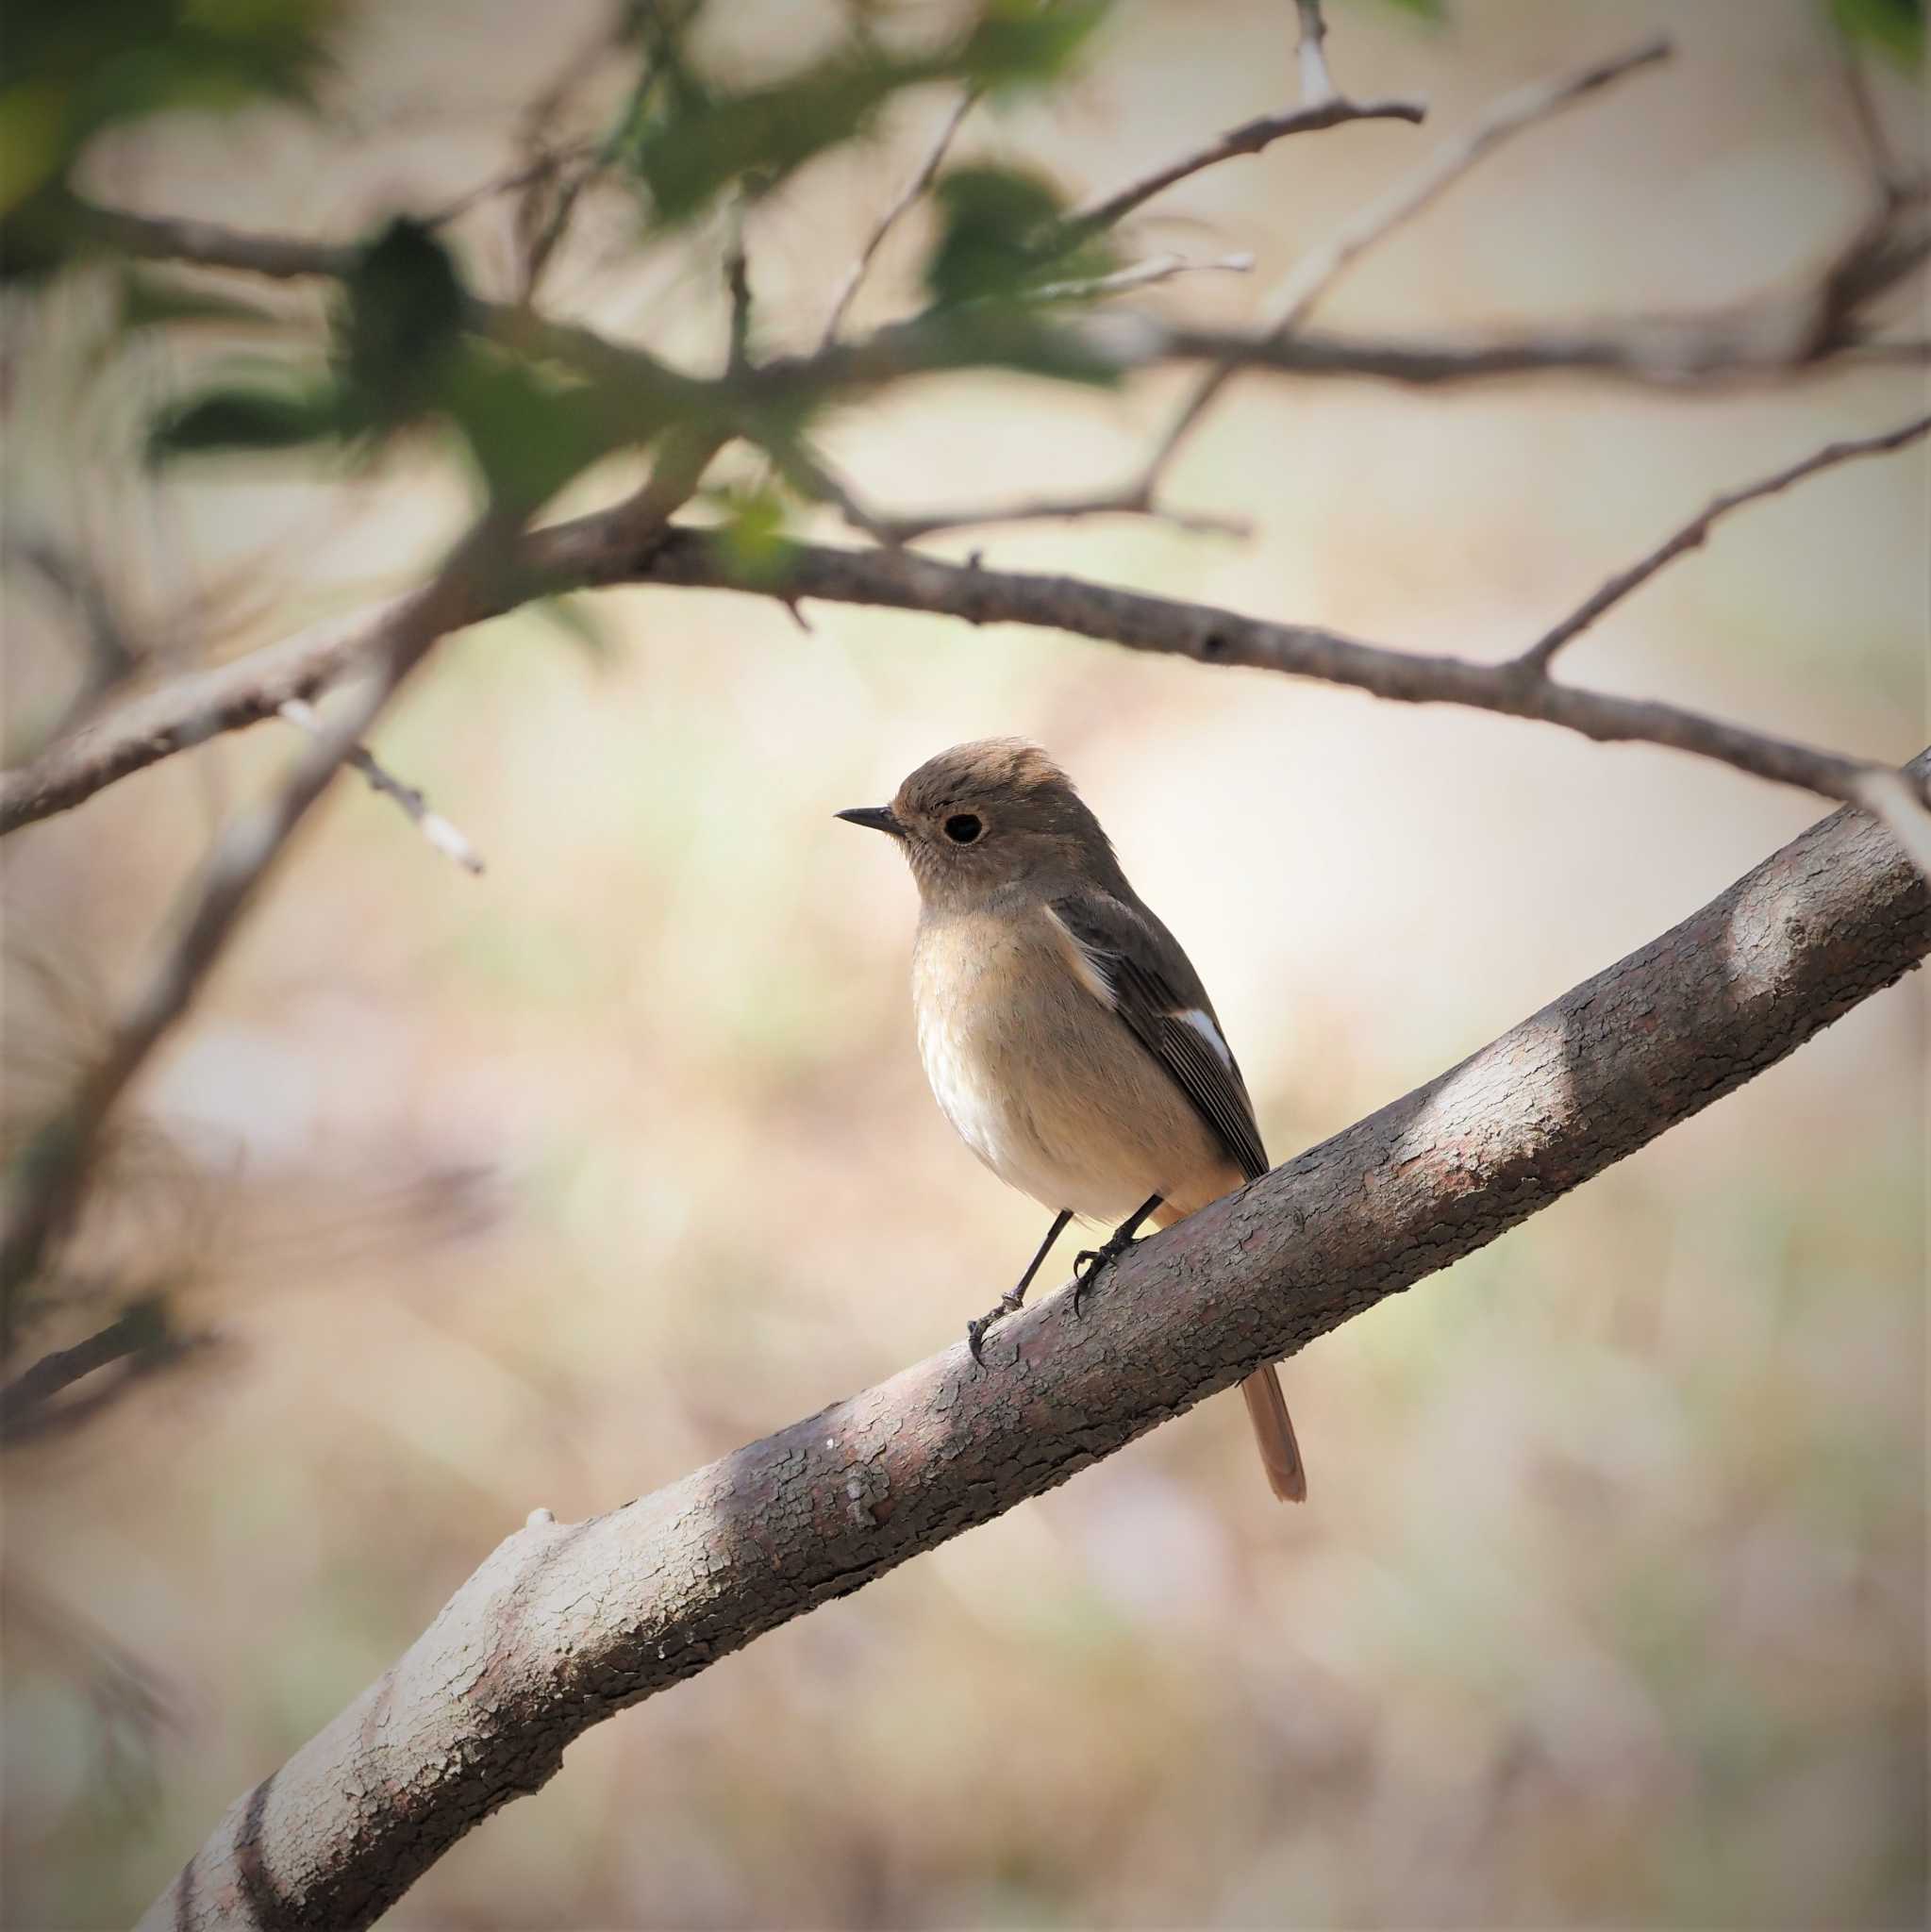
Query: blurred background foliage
[460, 1196]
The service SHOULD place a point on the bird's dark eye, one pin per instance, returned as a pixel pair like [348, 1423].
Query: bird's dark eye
[962, 827]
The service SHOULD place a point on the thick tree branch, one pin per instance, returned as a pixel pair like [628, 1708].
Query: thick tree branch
[565, 1624]
[607, 548]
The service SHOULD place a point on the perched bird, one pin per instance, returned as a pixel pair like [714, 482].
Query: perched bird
[1067, 1037]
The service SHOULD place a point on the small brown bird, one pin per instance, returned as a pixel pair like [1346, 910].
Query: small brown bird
[1067, 1037]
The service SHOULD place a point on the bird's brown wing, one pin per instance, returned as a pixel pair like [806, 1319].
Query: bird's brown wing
[1159, 996]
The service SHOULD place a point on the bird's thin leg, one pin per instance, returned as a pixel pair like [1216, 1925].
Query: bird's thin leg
[1014, 1298]
[1088, 1263]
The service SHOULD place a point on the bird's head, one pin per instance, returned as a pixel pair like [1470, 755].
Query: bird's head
[988, 815]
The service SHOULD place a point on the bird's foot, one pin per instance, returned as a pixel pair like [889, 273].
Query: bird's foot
[1091, 1263]
[1009, 1303]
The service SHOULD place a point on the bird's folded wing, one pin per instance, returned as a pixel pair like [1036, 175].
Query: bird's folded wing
[1137, 967]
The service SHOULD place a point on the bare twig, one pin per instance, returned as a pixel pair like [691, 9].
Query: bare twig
[110, 653]
[1892, 185]
[1138, 274]
[1103, 210]
[214, 244]
[140, 1333]
[1316, 83]
[738, 289]
[507, 181]
[1540, 655]
[1872, 143]
[907, 199]
[560, 172]
[1042, 509]
[1318, 271]
[817, 481]
[444, 835]
[566, 1624]
[1315, 275]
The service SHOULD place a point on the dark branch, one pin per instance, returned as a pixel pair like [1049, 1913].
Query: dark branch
[1250, 138]
[1540, 655]
[566, 1624]
[907, 199]
[607, 548]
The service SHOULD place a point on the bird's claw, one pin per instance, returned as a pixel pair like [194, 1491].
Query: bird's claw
[1088, 1265]
[1010, 1303]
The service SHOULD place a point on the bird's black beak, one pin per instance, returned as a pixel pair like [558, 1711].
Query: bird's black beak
[878, 817]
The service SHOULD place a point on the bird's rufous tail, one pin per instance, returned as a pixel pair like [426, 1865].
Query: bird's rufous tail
[1273, 1431]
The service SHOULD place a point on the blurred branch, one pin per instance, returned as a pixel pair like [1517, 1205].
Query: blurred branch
[1318, 271]
[143, 1335]
[444, 835]
[55, 1168]
[1250, 138]
[565, 1624]
[1310, 54]
[214, 244]
[907, 198]
[737, 293]
[109, 654]
[479, 579]
[814, 480]
[1540, 655]
[1138, 274]
[1893, 185]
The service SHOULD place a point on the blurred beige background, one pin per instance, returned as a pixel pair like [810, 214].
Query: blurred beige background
[542, 1188]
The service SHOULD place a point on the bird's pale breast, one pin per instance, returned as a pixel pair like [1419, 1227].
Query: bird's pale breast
[1042, 1081]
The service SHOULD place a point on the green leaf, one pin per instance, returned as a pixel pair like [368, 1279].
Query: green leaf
[1894, 28]
[697, 147]
[237, 418]
[751, 536]
[1000, 230]
[688, 142]
[1425, 9]
[398, 331]
[75, 70]
[1019, 42]
[531, 433]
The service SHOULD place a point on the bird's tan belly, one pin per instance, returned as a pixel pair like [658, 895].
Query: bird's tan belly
[1052, 1092]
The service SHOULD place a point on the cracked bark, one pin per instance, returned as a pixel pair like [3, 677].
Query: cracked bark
[565, 1624]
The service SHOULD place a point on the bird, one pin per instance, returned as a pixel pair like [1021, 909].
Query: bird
[1065, 1034]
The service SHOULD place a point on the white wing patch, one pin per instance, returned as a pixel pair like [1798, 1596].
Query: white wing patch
[1085, 965]
[1208, 1032]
